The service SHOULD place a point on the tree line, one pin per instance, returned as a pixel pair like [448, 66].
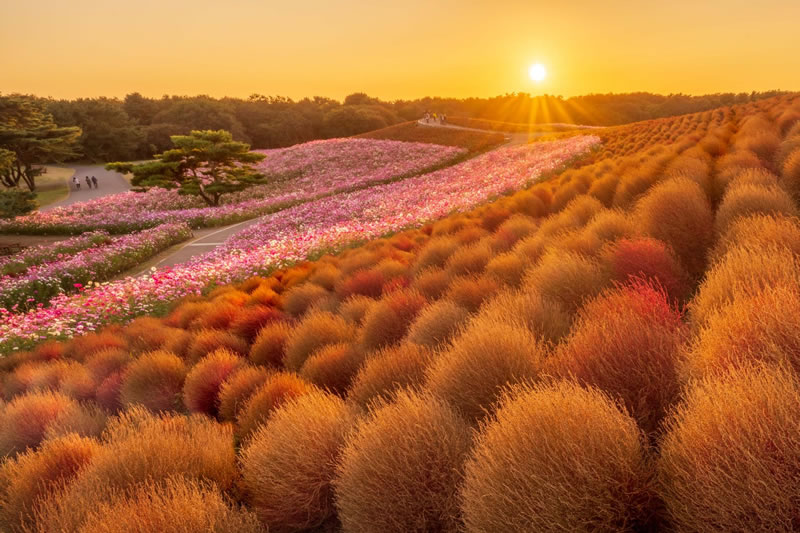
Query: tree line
[136, 127]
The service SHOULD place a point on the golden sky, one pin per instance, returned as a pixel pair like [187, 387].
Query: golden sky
[396, 49]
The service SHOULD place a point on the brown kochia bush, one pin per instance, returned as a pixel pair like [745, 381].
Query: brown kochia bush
[479, 363]
[154, 380]
[389, 370]
[25, 420]
[175, 506]
[333, 367]
[507, 269]
[435, 253]
[269, 348]
[35, 475]
[208, 340]
[541, 316]
[471, 292]
[744, 199]
[141, 447]
[237, 389]
[437, 323]
[82, 347]
[743, 272]
[316, 330]
[627, 343]
[204, 380]
[760, 327]
[558, 458]
[678, 212]
[471, 259]
[288, 465]
[388, 320]
[276, 390]
[566, 278]
[730, 460]
[759, 231]
[790, 174]
[401, 468]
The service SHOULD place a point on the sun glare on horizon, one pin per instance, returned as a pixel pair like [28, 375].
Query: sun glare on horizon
[537, 72]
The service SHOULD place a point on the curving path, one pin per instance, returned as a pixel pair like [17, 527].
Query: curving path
[108, 182]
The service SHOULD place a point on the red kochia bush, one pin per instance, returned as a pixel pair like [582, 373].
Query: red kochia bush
[364, 282]
[288, 465]
[730, 460]
[650, 259]
[204, 380]
[154, 380]
[108, 391]
[251, 319]
[627, 343]
[678, 212]
[558, 458]
[401, 468]
[35, 475]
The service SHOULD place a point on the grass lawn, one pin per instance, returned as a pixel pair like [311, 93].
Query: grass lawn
[53, 185]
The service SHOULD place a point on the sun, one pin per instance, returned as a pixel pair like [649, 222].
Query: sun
[537, 72]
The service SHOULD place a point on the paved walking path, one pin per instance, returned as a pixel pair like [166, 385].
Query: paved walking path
[108, 182]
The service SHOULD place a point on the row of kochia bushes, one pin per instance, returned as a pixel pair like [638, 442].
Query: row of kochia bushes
[628, 363]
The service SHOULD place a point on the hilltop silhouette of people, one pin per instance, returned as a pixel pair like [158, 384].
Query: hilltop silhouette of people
[94, 181]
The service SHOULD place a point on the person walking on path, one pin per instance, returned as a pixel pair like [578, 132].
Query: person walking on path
[76, 183]
[88, 182]
[94, 181]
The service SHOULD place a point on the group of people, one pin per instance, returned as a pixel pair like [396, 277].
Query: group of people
[440, 118]
[76, 182]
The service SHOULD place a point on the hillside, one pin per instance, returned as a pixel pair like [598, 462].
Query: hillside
[597, 332]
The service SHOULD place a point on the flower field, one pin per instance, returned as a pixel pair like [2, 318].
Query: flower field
[300, 173]
[65, 272]
[612, 348]
[295, 233]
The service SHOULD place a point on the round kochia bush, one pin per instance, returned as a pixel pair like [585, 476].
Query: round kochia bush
[558, 458]
[25, 420]
[760, 327]
[401, 469]
[473, 370]
[35, 475]
[730, 460]
[175, 506]
[155, 381]
[678, 212]
[203, 382]
[627, 343]
[288, 465]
